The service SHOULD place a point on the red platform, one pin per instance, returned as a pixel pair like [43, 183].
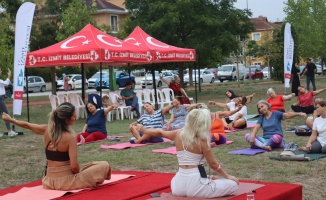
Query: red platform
[144, 183]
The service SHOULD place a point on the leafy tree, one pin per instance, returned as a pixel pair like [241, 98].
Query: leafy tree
[7, 37]
[211, 27]
[308, 17]
[10, 7]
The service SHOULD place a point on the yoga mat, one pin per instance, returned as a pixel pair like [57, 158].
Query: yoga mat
[173, 150]
[39, 193]
[243, 188]
[252, 116]
[129, 145]
[234, 130]
[299, 156]
[247, 151]
[108, 138]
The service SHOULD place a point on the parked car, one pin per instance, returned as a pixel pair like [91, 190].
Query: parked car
[319, 69]
[206, 76]
[255, 73]
[214, 71]
[9, 90]
[148, 80]
[266, 72]
[122, 77]
[35, 84]
[231, 71]
[74, 80]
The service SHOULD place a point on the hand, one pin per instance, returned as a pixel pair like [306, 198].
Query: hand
[140, 128]
[308, 146]
[211, 102]
[6, 117]
[230, 126]
[233, 178]
[302, 114]
[114, 106]
[252, 140]
[9, 73]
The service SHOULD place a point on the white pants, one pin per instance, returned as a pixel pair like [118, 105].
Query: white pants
[188, 183]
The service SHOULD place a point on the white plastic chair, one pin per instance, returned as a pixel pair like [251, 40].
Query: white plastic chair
[139, 94]
[62, 98]
[147, 95]
[159, 96]
[80, 107]
[124, 110]
[53, 101]
[168, 96]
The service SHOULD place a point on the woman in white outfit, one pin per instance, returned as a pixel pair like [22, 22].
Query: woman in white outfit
[193, 148]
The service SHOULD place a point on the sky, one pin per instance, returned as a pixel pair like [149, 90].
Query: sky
[272, 9]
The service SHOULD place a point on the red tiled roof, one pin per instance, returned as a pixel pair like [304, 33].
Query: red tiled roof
[103, 5]
[261, 23]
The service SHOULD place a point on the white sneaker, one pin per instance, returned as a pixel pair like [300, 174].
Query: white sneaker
[132, 138]
[12, 133]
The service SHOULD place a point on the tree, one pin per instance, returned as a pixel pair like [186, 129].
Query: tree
[211, 27]
[308, 17]
[7, 38]
[10, 7]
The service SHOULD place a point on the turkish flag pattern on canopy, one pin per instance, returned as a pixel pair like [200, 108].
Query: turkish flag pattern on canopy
[89, 46]
[162, 52]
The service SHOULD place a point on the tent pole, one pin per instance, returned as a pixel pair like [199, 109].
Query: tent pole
[195, 67]
[27, 97]
[83, 81]
[154, 87]
[100, 81]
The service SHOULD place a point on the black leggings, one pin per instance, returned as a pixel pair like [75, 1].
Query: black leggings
[317, 148]
[307, 110]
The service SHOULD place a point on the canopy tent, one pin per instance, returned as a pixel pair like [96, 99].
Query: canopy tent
[89, 46]
[162, 51]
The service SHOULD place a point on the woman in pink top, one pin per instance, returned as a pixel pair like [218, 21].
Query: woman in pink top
[305, 100]
[277, 101]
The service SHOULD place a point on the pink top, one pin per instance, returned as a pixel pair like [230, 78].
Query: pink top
[306, 99]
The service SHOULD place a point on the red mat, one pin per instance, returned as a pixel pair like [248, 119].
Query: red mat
[144, 183]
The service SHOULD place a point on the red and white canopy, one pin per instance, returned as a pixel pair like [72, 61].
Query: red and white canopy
[162, 52]
[89, 46]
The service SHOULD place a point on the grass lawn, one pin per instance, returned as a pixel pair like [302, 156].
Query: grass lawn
[23, 160]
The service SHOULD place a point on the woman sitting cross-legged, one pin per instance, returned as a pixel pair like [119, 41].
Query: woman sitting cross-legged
[277, 101]
[272, 127]
[62, 168]
[152, 119]
[305, 100]
[217, 127]
[238, 119]
[193, 148]
[179, 114]
[95, 127]
[317, 140]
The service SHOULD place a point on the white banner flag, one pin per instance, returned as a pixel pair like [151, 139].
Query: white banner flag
[288, 54]
[24, 19]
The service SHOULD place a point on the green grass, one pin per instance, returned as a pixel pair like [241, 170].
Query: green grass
[22, 157]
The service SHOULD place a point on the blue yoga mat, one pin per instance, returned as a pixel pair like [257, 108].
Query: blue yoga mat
[247, 151]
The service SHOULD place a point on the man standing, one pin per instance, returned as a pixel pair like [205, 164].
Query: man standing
[310, 71]
[3, 107]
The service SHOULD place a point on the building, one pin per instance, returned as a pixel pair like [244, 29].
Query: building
[262, 33]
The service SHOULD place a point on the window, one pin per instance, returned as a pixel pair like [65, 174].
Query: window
[256, 36]
[31, 80]
[114, 23]
[258, 63]
[37, 79]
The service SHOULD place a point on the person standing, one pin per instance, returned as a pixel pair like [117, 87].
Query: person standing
[310, 71]
[130, 98]
[65, 82]
[295, 80]
[3, 107]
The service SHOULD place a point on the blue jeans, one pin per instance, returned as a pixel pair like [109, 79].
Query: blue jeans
[134, 104]
[312, 79]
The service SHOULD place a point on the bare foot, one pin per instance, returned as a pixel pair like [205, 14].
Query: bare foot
[268, 148]
[305, 149]
[82, 139]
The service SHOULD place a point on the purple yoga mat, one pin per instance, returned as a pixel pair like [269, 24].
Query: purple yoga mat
[247, 151]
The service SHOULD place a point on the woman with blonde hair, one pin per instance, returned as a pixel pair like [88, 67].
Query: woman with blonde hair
[193, 148]
[62, 167]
